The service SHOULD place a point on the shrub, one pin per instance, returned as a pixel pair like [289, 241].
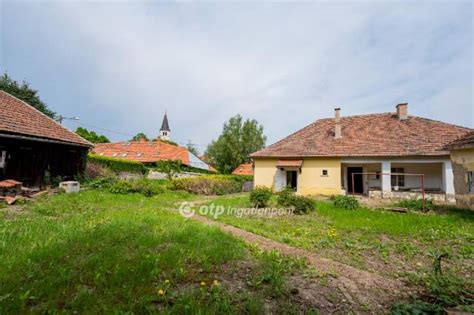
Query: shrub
[95, 170]
[285, 197]
[145, 187]
[208, 185]
[300, 204]
[102, 182]
[345, 202]
[121, 187]
[260, 196]
[416, 204]
[117, 165]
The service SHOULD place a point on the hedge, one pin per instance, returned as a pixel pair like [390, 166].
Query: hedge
[116, 164]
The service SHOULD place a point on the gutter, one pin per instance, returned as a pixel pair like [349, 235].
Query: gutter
[3, 135]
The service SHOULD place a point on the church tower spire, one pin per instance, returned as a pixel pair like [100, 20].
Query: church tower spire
[165, 130]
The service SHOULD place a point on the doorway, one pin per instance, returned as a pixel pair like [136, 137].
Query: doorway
[292, 179]
[358, 180]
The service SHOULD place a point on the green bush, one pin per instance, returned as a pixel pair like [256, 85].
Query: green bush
[260, 196]
[145, 187]
[285, 197]
[300, 204]
[116, 164]
[208, 185]
[121, 187]
[102, 182]
[345, 202]
[416, 204]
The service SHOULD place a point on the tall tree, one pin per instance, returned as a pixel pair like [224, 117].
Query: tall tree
[24, 92]
[140, 136]
[92, 136]
[238, 140]
[192, 148]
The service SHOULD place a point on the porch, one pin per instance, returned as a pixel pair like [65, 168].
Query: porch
[399, 179]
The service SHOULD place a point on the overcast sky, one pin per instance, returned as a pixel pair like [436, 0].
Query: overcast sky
[120, 65]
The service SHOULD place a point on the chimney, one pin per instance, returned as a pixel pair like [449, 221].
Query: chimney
[402, 111]
[337, 119]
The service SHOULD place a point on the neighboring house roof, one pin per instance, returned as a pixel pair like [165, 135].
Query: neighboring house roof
[165, 125]
[463, 143]
[17, 118]
[366, 136]
[244, 169]
[149, 152]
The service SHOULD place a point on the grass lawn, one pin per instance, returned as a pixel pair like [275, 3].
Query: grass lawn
[398, 245]
[98, 252]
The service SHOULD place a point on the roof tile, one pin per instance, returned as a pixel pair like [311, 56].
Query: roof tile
[368, 135]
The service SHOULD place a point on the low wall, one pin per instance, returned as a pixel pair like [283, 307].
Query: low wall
[439, 198]
[159, 175]
[129, 175]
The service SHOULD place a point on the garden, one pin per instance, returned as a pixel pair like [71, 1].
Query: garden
[122, 246]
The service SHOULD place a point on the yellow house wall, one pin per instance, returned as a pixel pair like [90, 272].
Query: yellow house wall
[463, 161]
[310, 180]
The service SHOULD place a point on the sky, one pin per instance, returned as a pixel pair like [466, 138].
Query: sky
[119, 66]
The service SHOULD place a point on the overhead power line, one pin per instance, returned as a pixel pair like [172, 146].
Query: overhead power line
[125, 133]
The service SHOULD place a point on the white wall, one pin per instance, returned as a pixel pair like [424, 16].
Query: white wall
[432, 171]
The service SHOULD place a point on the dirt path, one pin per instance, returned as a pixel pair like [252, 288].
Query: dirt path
[359, 287]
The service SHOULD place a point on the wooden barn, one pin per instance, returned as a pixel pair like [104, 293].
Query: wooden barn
[35, 149]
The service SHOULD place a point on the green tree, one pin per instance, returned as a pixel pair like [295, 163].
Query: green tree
[24, 92]
[192, 148]
[169, 167]
[238, 140]
[140, 136]
[91, 136]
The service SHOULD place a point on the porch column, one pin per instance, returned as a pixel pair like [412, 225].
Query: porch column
[448, 178]
[386, 181]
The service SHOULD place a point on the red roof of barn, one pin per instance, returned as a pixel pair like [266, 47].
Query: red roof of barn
[21, 119]
[243, 169]
[368, 135]
[143, 151]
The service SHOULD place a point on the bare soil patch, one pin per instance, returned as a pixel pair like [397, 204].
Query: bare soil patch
[362, 290]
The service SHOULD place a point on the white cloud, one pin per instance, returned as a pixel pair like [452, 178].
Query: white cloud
[283, 64]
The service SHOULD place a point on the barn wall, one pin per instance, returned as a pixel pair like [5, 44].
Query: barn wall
[30, 162]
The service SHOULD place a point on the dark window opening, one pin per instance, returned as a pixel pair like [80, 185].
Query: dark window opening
[325, 173]
[292, 179]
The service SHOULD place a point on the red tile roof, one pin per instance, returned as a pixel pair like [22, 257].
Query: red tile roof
[19, 118]
[463, 143]
[143, 151]
[244, 169]
[368, 135]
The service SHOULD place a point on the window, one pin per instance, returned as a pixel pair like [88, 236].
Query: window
[398, 180]
[470, 181]
[324, 173]
[377, 175]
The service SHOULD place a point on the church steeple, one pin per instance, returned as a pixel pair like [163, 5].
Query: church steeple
[165, 130]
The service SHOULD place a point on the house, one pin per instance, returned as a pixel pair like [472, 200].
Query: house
[462, 157]
[244, 169]
[34, 149]
[325, 156]
[150, 152]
